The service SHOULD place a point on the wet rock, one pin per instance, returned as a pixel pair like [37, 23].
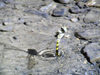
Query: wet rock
[92, 16]
[59, 12]
[64, 1]
[93, 51]
[89, 34]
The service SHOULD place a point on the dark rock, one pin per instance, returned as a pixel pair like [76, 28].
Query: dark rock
[64, 1]
[89, 34]
[14, 37]
[58, 12]
[92, 17]
[93, 51]
[25, 23]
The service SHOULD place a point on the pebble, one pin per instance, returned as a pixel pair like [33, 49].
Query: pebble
[92, 17]
[65, 1]
[49, 7]
[36, 12]
[58, 12]
[89, 34]
[76, 10]
[74, 19]
[14, 37]
[93, 51]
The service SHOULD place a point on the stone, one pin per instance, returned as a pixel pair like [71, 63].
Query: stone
[93, 51]
[48, 7]
[36, 12]
[74, 19]
[76, 10]
[92, 17]
[65, 1]
[89, 34]
[58, 12]
[14, 37]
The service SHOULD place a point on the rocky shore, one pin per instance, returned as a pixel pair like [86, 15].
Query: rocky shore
[28, 41]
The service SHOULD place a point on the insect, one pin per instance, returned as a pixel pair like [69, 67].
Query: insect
[59, 35]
